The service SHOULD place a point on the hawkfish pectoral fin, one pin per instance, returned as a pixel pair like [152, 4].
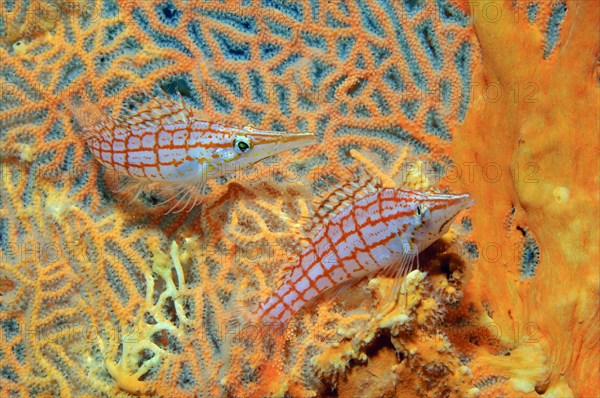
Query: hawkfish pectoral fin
[184, 195]
[188, 192]
[127, 187]
[343, 292]
[397, 270]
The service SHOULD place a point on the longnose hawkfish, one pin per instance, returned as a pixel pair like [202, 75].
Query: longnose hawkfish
[365, 231]
[166, 144]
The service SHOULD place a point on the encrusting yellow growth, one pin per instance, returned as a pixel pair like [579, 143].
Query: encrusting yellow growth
[138, 344]
[407, 324]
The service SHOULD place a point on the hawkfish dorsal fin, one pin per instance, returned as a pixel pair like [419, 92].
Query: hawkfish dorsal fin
[156, 111]
[343, 195]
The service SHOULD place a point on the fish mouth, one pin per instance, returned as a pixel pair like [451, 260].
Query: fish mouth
[457, 201]
[299, 140]
[464, 201]
[276, 143]
[286, 142]
[457, 204]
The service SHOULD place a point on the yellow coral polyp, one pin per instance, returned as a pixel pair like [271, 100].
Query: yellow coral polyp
[126, 372]
[424, 310]
[407, 311]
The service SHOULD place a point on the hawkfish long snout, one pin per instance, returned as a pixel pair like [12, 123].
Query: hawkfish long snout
[265, 144]
[433, 214]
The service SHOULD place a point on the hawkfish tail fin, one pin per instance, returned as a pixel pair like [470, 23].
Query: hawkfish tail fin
[244, 323]
[243, 333]
[92, 121]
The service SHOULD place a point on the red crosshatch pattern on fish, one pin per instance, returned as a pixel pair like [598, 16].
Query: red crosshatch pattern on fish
[369, 230]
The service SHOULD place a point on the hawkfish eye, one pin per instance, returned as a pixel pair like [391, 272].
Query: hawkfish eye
[242, 144]
[422, 211]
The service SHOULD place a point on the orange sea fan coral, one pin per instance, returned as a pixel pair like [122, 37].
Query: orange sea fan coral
[382, 85]
[365, 75]
[46, 315]
[358, 94]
